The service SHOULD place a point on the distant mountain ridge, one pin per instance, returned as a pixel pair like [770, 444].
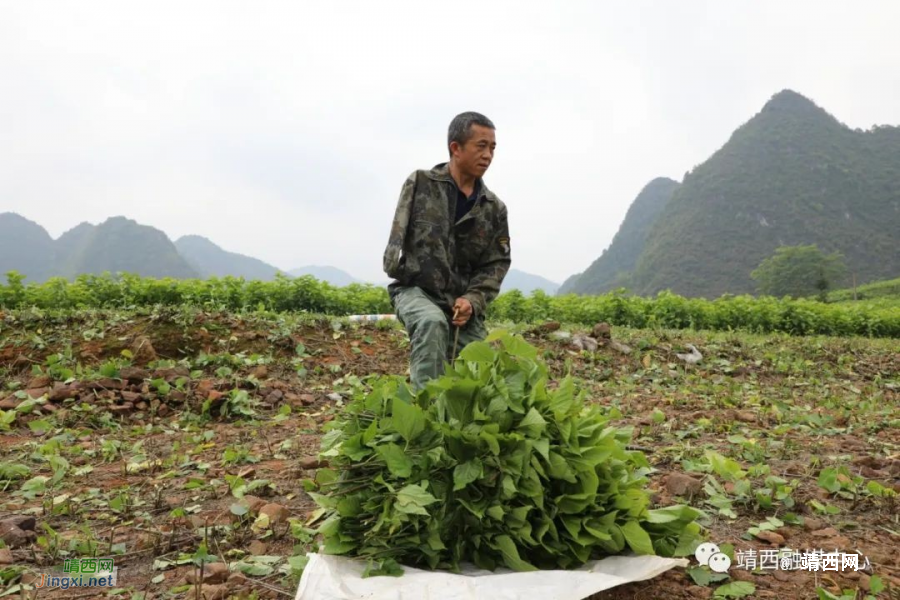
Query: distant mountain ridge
[612, 270]
[117, 244]
[121, 244]
[26, 247]
[793, 174]
[209, 260]
[527, 283]
[332, 275]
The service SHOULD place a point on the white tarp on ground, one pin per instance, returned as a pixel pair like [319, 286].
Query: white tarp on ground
[337, 578]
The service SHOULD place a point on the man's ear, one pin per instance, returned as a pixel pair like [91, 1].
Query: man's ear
[454, 147]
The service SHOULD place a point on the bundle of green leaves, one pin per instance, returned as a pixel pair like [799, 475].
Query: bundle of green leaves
[490, 464]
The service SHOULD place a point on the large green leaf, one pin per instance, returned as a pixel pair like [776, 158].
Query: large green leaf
[533, 423]
[510, 554]
[413, 499]
[408, 420]
[637, 538]
[735, 589]
[478, 352]
[466, 473]
[398, 463]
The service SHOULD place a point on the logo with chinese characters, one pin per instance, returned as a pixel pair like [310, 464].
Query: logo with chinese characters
[81, 572]
[784, 559]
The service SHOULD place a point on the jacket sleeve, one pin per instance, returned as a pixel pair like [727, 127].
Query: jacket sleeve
[391, 259]
[484, 285]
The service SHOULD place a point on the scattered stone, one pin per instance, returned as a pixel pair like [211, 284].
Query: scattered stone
[276, 513]
[258, 547]
[41, 381]
[742, 575]
[620, 347]
[584, 342]
[63, 391]
[784, 532]
[813, 524]
[561, 335]
[745, 416]
[679, 484]
[170, 374]
[177, 396]
[142, 350]
[197, 521]
[261, 372]
[602, 331]
[870, 473]
[549, 326]
[253, 503]
[131, 396]
[334, 397]
[838, 542]
[6, 557]
[274, 397]
[827, 532]
[776, 539]
[215, 398]
[133, 374]
[247, 472]
[695, 591]
[163, 411]
[237, 579]
[37, 392]
[9, 403]
[213, 573]
[141, 405]
[307, 399]
[312, 462]
[693, 357]
[121, 409]
[106, 383]
[781, 575]
[23, 522]
[13, 535]
[214, 592]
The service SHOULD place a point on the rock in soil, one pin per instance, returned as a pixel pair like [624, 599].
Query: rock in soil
[679, 484]
[276, 513]
[213, 573]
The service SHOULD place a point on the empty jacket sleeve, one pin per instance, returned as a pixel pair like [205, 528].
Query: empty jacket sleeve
[391, 260]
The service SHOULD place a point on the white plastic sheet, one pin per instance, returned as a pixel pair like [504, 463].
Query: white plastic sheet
[337, 578]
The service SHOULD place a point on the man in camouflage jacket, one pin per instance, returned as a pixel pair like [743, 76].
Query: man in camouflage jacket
[449, 249]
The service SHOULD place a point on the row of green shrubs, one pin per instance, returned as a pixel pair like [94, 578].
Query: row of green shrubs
[888, 288]
[306, 294]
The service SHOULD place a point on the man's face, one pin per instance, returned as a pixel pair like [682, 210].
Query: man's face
[475, 156]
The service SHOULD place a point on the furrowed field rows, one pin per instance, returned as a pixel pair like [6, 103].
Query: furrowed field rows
[166, 435]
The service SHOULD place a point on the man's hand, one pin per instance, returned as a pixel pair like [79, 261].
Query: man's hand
[462, 308]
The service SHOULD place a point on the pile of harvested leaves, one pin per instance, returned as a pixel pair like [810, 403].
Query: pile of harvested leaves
[491, 465]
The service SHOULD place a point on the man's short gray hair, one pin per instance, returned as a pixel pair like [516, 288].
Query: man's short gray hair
[461, 127]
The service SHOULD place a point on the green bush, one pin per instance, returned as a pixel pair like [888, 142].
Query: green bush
[488, 465]
[874, 318]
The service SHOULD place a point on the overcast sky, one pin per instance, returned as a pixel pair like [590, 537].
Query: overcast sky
[284, 130]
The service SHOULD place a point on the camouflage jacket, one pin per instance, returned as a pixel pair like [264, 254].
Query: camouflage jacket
[468, 258]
